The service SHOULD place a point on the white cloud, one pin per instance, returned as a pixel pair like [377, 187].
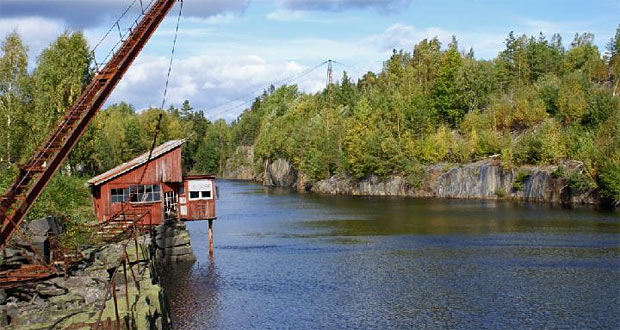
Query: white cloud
[402, 36]
[286, 15]
[36, 32]
[534, 26]
[212, 83]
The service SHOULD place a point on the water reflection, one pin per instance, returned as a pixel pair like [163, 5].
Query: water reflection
[285, 260]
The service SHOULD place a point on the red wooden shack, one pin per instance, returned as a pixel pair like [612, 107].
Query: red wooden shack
[154, 189]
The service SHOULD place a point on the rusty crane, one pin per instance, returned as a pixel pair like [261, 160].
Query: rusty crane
[35, 174]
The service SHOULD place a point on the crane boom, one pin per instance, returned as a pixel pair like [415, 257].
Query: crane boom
[34, 176]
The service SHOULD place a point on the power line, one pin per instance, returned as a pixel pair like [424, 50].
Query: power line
[253, 95]
[174, 44]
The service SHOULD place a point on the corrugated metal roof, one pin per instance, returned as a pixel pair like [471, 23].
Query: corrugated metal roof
[136, 162]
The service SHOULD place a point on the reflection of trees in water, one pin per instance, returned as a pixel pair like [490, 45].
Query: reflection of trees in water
[192, 290]
[398, 216]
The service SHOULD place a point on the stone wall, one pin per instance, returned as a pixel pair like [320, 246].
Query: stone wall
[171, 243]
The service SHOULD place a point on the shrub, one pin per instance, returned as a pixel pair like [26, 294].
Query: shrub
[75, 233]
[522, 176]
[64, 196]
[572, 101]
[524, 110]
[548, 87]
[543, 145]
[507, 156]
[601, 106]
[436, 147]
[580, 182]
[558, 173]
[529, 149]
[609, 182]
[416, 173]
[501, 193]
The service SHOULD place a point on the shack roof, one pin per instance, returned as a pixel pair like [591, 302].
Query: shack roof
[136, 162]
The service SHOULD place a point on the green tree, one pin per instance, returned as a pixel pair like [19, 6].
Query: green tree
[613, 47]
[14, 95]
[62, 72]
[445, 93]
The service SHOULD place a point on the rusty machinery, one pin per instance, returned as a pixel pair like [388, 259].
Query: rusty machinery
[37, 172]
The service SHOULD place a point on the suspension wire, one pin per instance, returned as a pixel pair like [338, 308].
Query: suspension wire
[174, 44]
[225, 108]
[114, 25]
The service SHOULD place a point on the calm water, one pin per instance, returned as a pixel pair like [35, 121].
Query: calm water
[294, 261]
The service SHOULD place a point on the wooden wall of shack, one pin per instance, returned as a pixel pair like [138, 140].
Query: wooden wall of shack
[165, 170]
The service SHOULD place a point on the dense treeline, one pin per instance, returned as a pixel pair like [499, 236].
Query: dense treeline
[535, 103]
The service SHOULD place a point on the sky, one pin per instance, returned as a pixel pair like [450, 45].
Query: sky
[228, 51]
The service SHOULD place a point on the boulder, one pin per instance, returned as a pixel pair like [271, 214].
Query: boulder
[45, 226]
[47, 289]
[280, 173]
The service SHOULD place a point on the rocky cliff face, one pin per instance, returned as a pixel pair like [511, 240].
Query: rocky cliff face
[239, 166]
[485, 179]
[280, 173]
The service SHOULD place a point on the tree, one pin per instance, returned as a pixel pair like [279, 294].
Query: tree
[62, 72]
[425, 61]
[186, 110]
[14, 93]
[584, 56]
[446, 98]
[614, 60]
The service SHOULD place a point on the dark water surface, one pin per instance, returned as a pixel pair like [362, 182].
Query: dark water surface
[294, 261]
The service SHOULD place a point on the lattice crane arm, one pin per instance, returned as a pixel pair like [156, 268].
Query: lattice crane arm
[39, 170]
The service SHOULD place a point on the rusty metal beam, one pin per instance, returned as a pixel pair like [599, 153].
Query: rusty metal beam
[39, 170]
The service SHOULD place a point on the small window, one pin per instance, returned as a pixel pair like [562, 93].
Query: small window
[119, 195]
[145, 193]
[200, 189]
[182, 190]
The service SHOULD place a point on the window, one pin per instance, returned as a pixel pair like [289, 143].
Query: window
[182, 190]
[119, 195]
[200, 189]
[145, 193]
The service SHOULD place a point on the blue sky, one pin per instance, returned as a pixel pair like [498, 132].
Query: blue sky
[229, 49]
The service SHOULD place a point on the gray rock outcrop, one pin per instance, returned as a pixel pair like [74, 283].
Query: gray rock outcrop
[280, 173]
[485, 179]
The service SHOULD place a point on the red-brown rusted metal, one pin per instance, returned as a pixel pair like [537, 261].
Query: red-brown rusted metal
[24, 274]
[38, 171]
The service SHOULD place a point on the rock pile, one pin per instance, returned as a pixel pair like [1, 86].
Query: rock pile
[77, 300]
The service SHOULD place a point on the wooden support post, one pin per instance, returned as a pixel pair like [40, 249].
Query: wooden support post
[211, 238]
